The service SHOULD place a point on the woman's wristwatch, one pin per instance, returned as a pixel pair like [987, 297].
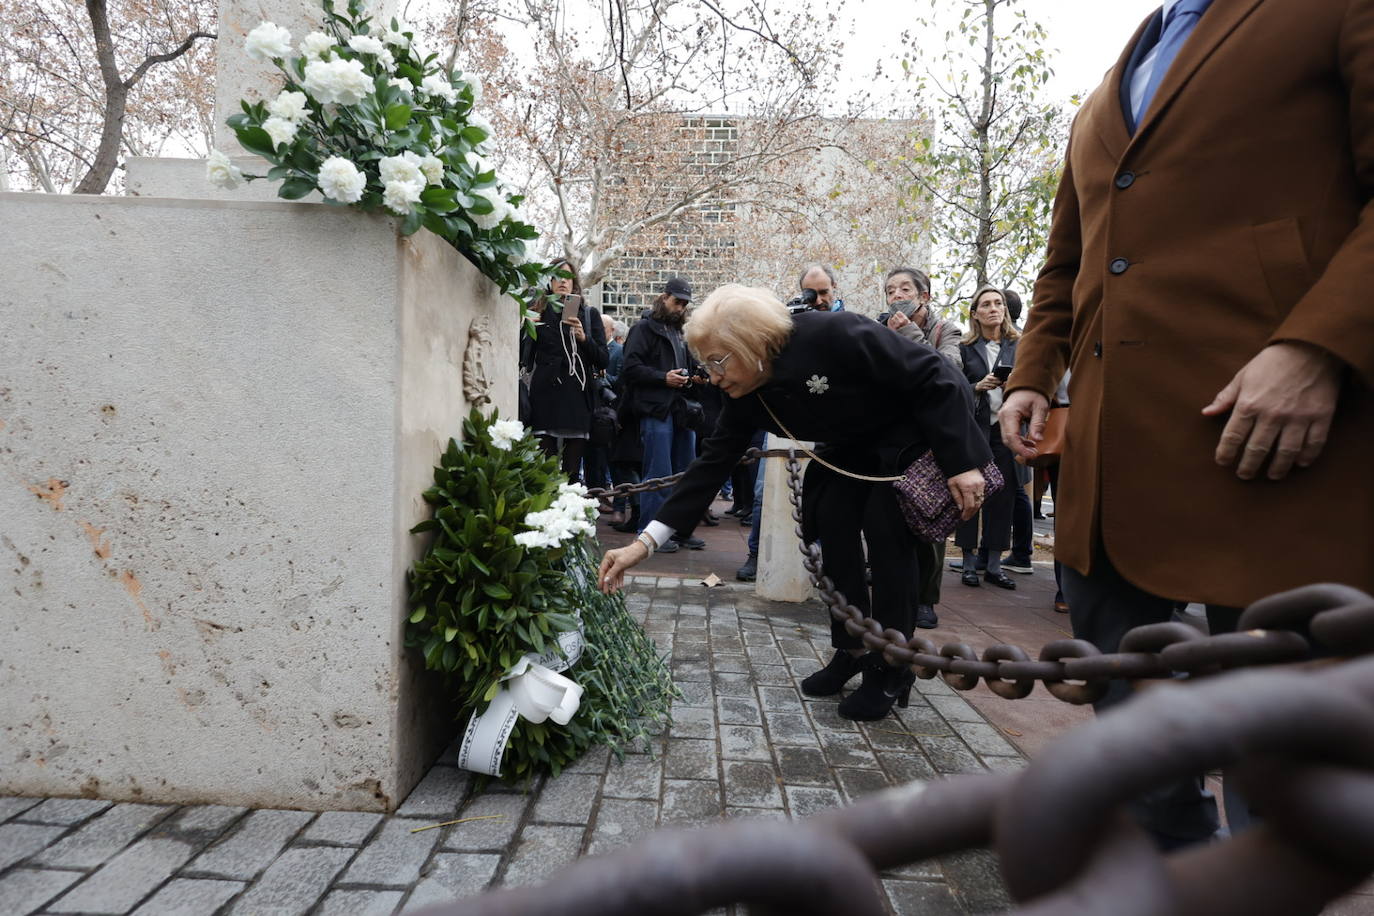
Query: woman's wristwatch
[648, 542]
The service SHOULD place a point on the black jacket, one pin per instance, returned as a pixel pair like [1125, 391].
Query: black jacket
[976, 368]
[876, 399]
[561, 398]
[648, 357]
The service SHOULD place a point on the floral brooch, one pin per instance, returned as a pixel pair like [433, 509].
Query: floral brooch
[818, 384]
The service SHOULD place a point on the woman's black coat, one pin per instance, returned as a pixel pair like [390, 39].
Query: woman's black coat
[559, 398]
[876, 399]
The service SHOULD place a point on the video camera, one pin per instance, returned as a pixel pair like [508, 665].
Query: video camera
[803, 303]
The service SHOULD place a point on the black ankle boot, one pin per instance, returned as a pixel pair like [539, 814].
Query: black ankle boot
[829, 680]
[882, 686]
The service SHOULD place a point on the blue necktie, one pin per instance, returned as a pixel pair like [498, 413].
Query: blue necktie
[1182, 19]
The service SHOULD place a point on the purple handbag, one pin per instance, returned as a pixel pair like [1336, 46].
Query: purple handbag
[923, 492]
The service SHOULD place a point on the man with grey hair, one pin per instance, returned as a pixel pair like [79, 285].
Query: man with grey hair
[820, 279]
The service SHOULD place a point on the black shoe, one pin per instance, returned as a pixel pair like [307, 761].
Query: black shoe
[882, 686]
[970, 578]
[1017, 565]
[749, 570]
[709, 520]
[999, 579]
[629, 526]
[831, 679]
[746, 521]
[670, 547]
[690, 543]
[926, 618]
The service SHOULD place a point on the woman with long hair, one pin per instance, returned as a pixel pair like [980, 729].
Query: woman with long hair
[568, 350]
[988, 352]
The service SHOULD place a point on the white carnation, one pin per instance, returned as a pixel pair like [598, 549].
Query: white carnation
[404, 167]
[340, 180]
[476, 86]
[221, 172]
[267, 41]
[500, 209]
[397, 38]
[399, 195]
[437, 85]
[401, 83]
[337, 81]
[535, 539]
[289, 106]
[504, 433]
[316, 45]
[433, 168]
[366, 44]
[386, 61]
[280, 130]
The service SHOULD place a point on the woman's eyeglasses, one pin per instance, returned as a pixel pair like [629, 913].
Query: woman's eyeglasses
[716, 366]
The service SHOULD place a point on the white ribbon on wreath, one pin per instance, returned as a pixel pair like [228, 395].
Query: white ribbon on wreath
[534, 689]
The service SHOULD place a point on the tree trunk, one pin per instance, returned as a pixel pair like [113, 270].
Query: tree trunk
[116, 98]
[983, 243]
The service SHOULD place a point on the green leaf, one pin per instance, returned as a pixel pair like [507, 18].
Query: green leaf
[418, 614]
[397, 116]
[256, 140]
[295, 188]
[491, 691]
[449, 633]
[411, 224]
[497, 591]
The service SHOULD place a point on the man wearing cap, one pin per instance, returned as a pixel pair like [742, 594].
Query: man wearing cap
[658, 377]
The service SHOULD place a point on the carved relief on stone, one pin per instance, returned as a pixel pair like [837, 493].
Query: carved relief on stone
[476, 384]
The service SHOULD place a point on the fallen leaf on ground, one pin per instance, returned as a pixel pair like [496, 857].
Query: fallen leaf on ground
[1013, 732]
[461, 820]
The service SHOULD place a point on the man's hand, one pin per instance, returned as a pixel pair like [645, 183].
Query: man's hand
[676, 378]
[969, 489]
[1280, 402]
[1023, 406]
[897, 321]
[611, 575]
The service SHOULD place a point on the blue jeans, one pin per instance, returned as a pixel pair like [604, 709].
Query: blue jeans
[758, 510]
[668, 449]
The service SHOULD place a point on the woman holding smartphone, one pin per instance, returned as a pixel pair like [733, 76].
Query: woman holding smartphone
[566, 354]
[988, 352]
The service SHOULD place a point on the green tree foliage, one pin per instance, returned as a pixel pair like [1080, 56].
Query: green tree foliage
[989, 171]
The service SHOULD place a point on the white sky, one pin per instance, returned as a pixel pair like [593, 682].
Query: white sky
[1087, 35]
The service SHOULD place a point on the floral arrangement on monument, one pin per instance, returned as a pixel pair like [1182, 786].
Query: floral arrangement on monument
[540, 665]
[370, 121]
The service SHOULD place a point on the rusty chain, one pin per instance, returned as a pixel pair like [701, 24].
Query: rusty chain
[1277, 630]
[1303, 738]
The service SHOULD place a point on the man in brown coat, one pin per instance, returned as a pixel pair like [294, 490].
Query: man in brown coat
[1209, 279]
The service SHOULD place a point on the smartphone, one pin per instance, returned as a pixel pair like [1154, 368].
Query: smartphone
[1002, 372]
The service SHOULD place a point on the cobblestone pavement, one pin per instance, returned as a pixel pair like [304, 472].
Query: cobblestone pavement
[744, 743]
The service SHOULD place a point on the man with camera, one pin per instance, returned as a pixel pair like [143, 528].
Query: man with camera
[819, 291]
[658, 376]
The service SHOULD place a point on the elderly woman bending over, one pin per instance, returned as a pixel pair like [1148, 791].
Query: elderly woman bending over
[877, 401]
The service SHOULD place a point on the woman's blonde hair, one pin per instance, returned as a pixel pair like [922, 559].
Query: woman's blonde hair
[975, 329]
[747, 321]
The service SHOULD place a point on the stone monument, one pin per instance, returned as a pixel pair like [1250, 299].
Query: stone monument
[217, 417]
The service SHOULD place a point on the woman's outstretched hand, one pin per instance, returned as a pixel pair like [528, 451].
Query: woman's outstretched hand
[615, 564]
[969, 489]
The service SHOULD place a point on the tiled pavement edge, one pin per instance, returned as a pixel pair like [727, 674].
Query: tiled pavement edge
[744, 743]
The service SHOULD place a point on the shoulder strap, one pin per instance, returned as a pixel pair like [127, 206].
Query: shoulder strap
[814, 457]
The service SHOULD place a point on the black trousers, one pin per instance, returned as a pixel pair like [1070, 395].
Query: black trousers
[841, 512]
[1102, 607]
[995, 516]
